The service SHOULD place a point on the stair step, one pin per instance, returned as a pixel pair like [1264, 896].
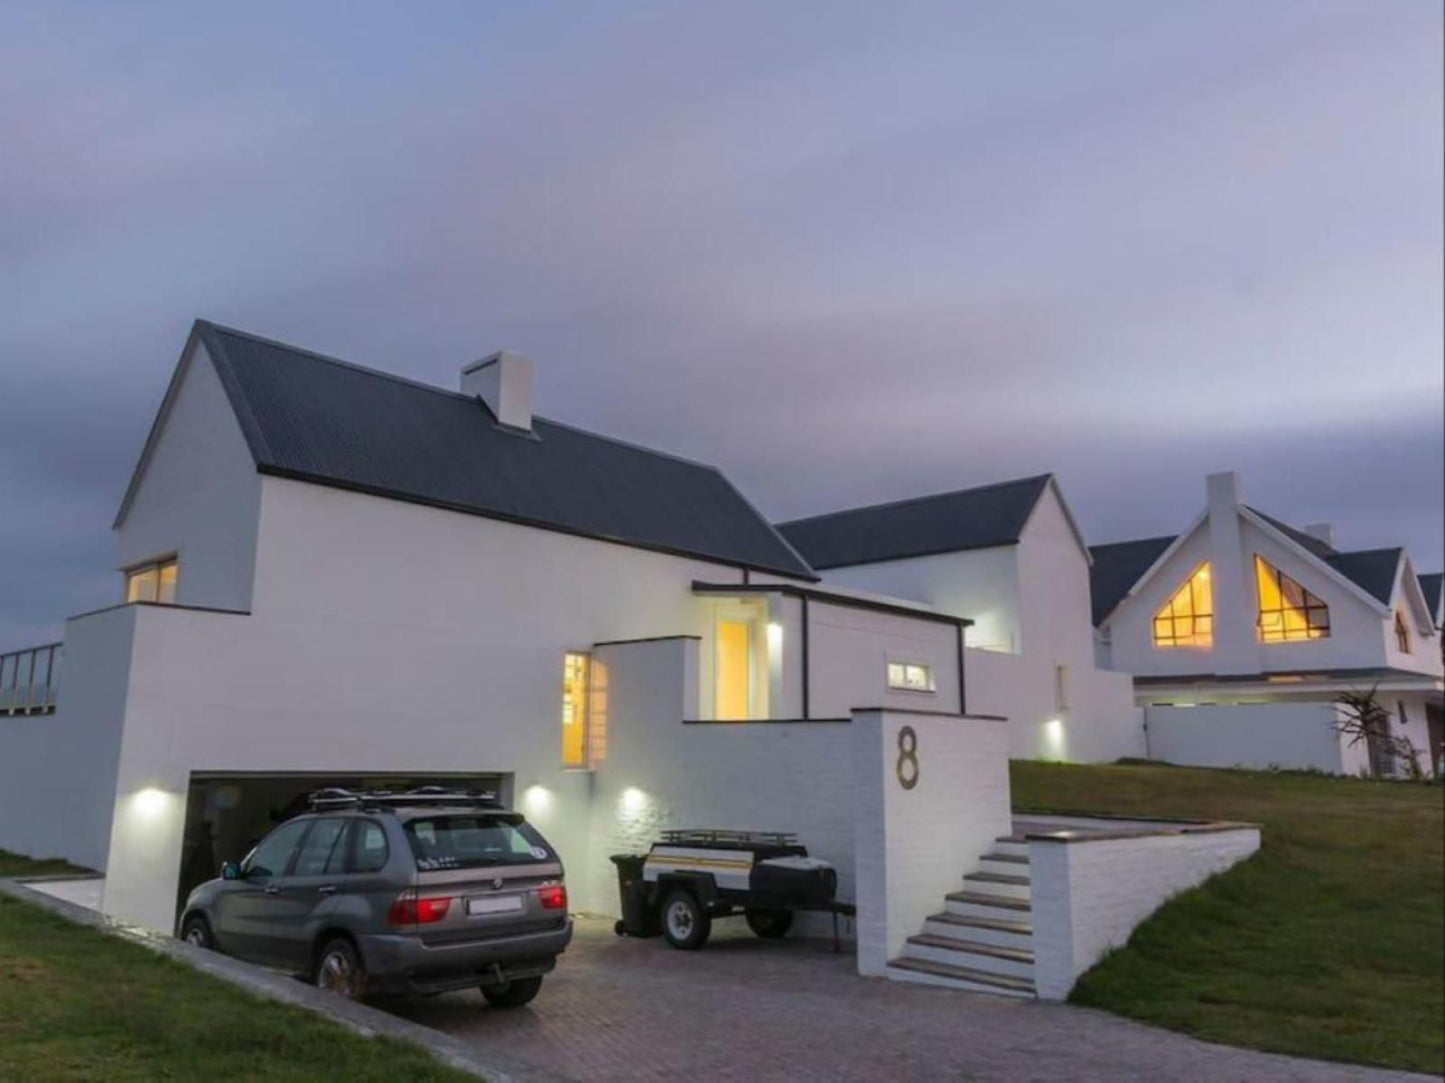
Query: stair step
[973, 947]
[976, 898]
[998, 878]
[1000, 934]
[1011, 847]
[1015, 859]
[967, 977]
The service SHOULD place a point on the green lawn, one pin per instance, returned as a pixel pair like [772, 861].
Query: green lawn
[78, 1004]
[1329, 943]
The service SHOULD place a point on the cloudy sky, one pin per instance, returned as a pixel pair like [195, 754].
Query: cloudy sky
[849, 252]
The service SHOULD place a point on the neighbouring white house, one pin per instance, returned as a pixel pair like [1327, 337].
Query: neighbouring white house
[328, 575]
[1011, 558]
[1242, 632]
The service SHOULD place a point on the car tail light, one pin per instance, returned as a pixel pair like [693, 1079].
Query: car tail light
[409, 910]
[552, 897]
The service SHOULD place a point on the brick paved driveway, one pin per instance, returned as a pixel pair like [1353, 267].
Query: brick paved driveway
[746, 1009]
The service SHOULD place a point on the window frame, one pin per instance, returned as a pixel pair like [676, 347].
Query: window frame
[337, 840]
[1311, 605]
[157, 566]
[1165, 614]
[931, 683]
[584, 707]
[1403, 640]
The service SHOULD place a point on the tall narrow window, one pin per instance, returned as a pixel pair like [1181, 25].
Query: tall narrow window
[1287, 612]
[1402, 632]
[1187, 619]
[154, 582]
[734, 670]
[575, 667]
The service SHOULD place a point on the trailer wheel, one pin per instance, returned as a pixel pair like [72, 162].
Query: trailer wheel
[620, 928]
[684, 922]
[769, 924]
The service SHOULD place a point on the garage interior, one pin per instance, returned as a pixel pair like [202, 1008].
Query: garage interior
[227, 813]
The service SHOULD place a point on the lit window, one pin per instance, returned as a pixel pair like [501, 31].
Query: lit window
[1402, 632]
[152, 582]
[1287, 612]
[734, 669]
[575, 666]
[1187, 619]
[910, 676]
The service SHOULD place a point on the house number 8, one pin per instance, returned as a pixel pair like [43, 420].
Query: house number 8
[907, 768]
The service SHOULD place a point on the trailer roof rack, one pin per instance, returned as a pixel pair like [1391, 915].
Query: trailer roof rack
[334, 797]
[712, 836]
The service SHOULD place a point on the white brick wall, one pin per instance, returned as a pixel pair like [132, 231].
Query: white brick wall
[912, 846]
[1089, 895]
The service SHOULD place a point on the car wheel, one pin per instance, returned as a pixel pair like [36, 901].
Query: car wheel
[684, 922]
[339, 970]
[196, 931]
[512, 994]
[620, 928]
[769, 924]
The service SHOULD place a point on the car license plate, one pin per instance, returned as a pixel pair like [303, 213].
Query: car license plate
[494, 904]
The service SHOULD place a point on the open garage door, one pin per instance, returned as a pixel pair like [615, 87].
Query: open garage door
[228, 813]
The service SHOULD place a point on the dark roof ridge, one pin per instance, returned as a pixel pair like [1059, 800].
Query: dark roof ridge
[918, 499]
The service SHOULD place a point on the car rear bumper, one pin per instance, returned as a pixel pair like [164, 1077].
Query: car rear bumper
[405, 964]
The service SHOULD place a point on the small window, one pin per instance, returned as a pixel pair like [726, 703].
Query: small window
[152, 582]
[575, 671]
[1402, 633]
[1287, 612]
[273, 853]
[1187, 619]
[316, 851]
[910, 677]
[369, 844]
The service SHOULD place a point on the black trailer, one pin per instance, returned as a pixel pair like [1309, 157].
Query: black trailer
[691, 877]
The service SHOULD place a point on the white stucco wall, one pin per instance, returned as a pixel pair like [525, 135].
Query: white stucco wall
[1088, 896]
[199, 497]
[1258, 735]
[57, 772]
[912, 845]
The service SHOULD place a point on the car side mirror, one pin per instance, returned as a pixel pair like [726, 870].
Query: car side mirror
[231, 871]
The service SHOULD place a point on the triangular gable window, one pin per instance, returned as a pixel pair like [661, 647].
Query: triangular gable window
[1287, 612]
[1187, 619]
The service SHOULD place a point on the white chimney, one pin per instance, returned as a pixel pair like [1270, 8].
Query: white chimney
[504, 382]
[1322, 532]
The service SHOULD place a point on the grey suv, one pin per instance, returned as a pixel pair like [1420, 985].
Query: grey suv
[423, 892]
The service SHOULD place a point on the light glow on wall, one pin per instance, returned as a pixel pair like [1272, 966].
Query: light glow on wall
[1054, 738]
[536, 799]
[775, 639]
[150, 802]
[633, 800]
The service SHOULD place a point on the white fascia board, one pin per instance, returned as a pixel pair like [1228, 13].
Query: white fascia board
[1199, 521]
[178, 374]
[1068, 518]
[1418, 602]
[1339, 577]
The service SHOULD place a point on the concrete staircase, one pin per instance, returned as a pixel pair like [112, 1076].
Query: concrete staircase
[983, 938]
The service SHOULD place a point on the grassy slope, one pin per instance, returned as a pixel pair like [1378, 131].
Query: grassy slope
[78, 1004]
[1329, 943]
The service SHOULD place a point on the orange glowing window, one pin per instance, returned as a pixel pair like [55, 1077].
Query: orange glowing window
[575, 666]
[1287, 612]
[152, 582]
[1187, 619]
[734, 670]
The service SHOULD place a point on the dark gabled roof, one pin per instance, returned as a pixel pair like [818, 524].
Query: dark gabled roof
[321, 420]
[946, 523]
[1373, 570]
[1117, 567]
[1432, 585]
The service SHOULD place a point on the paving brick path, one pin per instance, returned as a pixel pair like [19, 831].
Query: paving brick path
[745, 1009]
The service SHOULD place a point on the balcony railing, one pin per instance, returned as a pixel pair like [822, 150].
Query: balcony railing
[29, 679]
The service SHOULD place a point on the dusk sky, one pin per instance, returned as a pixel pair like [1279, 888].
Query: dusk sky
[847, 252]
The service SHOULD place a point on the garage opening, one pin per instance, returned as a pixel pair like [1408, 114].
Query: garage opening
[227, 813]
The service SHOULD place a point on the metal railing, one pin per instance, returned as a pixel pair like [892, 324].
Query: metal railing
[29, 680]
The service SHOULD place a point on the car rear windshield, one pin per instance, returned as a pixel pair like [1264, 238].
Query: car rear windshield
[469, 842]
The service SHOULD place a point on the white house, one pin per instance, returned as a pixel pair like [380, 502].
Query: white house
[331, 575]
[1011, 558]
[1242, 631]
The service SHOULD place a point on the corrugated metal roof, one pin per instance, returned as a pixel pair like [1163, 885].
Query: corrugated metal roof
[1117, 567]
[322, 420]
[946, 523]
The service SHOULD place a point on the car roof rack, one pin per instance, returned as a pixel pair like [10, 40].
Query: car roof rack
[334, 797]
[712, 836]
